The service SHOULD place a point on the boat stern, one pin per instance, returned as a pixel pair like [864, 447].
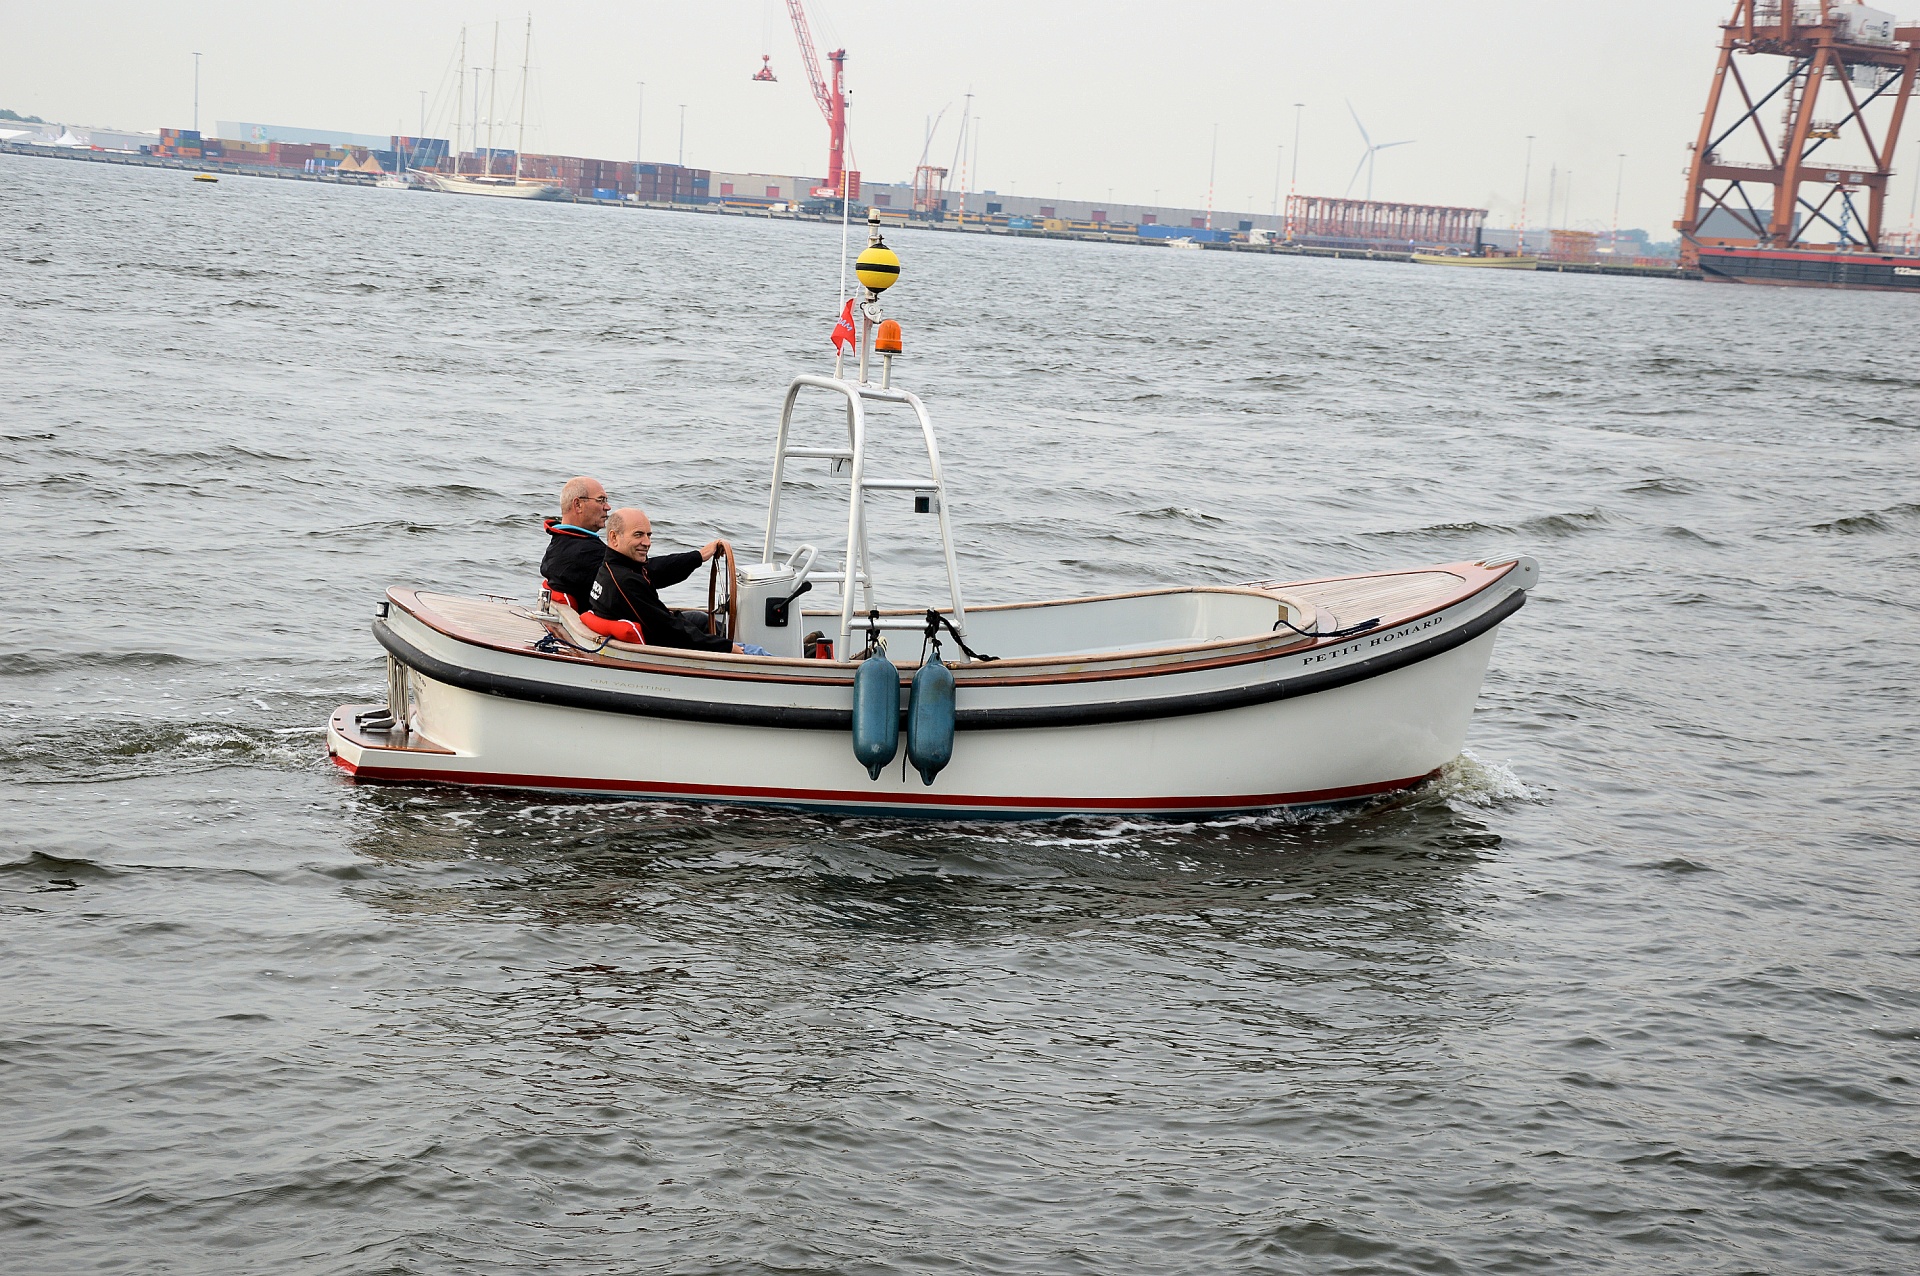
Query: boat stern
[391, 754]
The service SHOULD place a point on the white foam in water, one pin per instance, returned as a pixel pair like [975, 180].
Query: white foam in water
[1473, 782]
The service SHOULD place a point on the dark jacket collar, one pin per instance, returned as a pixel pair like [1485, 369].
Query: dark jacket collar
[555, 528]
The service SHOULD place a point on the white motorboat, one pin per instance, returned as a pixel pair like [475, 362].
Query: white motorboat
[1187, 701]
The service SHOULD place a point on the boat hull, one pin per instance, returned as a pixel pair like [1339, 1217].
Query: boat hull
[498, 187]
[1250, 726]
[1480, 263]
[1799, 268]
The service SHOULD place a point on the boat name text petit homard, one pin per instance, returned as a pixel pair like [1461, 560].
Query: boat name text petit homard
[1378, 640]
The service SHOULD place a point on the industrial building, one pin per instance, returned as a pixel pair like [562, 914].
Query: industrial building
[240, 131]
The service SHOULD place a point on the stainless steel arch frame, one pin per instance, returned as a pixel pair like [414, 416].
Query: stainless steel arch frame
[857, 576]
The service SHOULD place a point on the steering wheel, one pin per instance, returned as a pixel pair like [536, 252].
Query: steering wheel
[713, 595]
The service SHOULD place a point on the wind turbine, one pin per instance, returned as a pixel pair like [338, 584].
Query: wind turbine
[1373, 148]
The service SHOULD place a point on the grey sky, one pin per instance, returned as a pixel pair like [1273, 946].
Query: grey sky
[1091, 97]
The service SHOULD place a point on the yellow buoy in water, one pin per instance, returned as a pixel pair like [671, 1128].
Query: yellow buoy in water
[877, 267]
[205, 177]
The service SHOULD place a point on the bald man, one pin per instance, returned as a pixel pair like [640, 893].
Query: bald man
[574, 547]
[627, 588]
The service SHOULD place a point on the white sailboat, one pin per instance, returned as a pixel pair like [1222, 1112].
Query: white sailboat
[515, 187]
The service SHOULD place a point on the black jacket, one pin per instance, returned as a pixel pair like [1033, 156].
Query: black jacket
[571, 562]
[626, 590]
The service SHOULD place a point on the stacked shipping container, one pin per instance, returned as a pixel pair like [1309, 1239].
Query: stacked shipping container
[617, 179]
[180, 143]
[579, 175]
[422, 152]
[672, 184]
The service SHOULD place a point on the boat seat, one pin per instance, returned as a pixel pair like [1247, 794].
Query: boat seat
[624, 630]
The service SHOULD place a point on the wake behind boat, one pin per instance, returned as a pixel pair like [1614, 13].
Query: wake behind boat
[1193, 700]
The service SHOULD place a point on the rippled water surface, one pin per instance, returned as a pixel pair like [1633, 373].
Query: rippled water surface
[1634, 987]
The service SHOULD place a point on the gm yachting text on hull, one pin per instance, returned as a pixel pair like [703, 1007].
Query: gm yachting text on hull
[1242, 722]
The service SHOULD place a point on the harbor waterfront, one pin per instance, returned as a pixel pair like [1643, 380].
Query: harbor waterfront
[1630, 987]
[998, 227]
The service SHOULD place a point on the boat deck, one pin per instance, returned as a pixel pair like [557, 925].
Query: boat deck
[1389, 597]
[345, 724]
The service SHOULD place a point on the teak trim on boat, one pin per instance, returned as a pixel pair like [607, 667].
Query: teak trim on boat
[512, 687]
[1014, 671]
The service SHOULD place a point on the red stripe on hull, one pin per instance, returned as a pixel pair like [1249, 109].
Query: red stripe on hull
[851, 798]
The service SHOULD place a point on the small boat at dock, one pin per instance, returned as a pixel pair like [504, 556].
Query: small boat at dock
[1188, 700]
[1488, 262]
[502, 187]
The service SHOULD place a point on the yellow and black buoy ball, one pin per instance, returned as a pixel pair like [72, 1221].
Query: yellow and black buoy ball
[877, 267]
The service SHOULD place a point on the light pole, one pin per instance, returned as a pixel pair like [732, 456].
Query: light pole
[974, 168]
[1619, 183]
[683, 135]
[1912, 205]
[423, 113]
[1293, 183]
[1213, 165]
[196, 92]
[1279, 152]
[639, 126]
[1526, 180]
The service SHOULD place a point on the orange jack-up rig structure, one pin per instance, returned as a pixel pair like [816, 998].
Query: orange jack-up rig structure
[842, 183]
[1804, 205]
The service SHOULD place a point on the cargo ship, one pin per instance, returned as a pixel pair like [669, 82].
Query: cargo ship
[1810, 268]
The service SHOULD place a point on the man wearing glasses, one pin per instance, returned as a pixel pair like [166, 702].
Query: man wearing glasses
[574, 547]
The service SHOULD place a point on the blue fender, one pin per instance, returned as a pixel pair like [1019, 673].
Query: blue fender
[876, 713]
[930, 718]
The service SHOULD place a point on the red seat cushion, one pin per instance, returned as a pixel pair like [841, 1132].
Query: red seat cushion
[624, 630]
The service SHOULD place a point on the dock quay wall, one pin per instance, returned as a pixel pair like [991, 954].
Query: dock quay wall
[1081, 232]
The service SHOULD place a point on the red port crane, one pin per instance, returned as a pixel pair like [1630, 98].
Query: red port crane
[833, 105]
[1841, 90]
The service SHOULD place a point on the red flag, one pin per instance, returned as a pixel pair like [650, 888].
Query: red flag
[843, 334]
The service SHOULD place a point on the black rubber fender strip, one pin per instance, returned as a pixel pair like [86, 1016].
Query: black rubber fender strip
[599, 698]
[637, 704]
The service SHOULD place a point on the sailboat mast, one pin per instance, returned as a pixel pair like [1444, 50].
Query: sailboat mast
[526, 59]
[493, 82]
[459, 102]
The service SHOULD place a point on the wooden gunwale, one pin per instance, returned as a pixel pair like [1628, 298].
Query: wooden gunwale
[1474, 579]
